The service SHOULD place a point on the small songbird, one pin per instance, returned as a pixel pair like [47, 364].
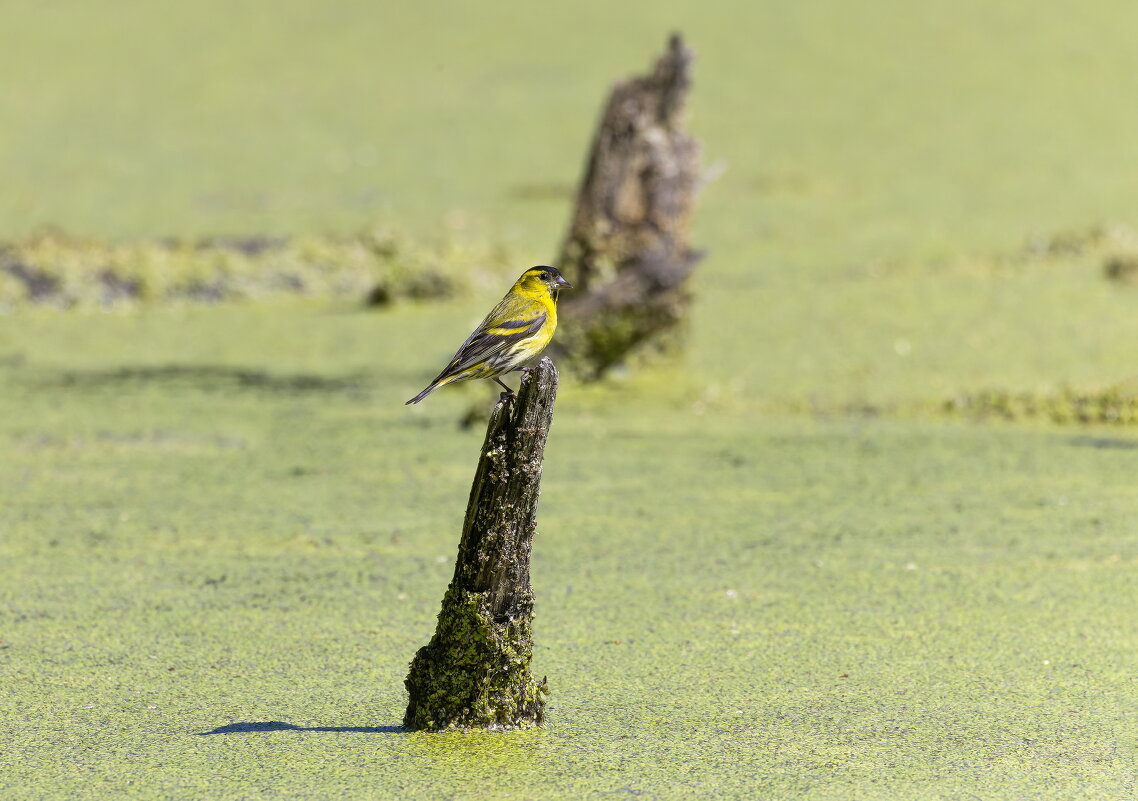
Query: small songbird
[515, 331]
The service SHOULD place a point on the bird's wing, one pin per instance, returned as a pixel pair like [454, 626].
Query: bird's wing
[493, 337]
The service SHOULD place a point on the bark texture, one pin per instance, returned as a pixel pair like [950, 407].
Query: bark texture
[627, 250]
[475, 671]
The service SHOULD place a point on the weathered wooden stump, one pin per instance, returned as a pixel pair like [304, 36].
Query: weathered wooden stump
[475, 672]
[627, 250]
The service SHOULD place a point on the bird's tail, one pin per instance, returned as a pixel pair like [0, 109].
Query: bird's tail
[430, 388]
[441, 380]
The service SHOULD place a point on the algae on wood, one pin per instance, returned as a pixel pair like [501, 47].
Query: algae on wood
[475, 672]
[627, 249]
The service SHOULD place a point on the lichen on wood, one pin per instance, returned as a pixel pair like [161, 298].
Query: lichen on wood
[475, 671]
[627, 250]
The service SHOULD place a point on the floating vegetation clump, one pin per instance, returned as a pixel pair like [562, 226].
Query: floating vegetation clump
[1113, 246]
[376, 266]
[1116, 405]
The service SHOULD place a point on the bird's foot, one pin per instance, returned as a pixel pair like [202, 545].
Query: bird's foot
[507, 391]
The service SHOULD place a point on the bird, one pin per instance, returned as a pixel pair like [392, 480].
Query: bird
[514, 332]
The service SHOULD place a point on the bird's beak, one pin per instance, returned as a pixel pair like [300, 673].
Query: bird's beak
[561, 283]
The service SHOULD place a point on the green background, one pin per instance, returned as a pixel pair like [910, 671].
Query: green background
[775, 569]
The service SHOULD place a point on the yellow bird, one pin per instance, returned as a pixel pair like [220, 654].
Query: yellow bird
[515, 331]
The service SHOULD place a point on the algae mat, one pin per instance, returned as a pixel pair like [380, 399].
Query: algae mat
[223, 538]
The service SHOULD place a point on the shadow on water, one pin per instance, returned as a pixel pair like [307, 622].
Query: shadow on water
[213, 377]
[278, 725]
[1105, 443]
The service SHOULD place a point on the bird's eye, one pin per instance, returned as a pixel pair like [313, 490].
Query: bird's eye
[545, 276]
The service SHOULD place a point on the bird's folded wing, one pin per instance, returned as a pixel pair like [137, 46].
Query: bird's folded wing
[492, 339]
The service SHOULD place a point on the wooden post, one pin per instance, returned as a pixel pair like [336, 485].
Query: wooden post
[627, 250]
[475, 672]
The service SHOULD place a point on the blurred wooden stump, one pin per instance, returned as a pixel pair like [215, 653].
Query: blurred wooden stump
[627, 250]
[475, 672]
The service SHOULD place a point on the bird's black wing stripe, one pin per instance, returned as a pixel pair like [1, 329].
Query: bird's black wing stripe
[483, 345]
[521, 323]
